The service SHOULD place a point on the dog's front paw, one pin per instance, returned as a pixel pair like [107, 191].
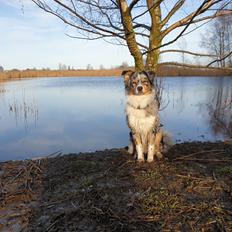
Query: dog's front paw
[150, 160]
[141, 160]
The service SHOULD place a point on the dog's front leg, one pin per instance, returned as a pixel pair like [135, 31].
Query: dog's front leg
[138, 147]
[151, 147]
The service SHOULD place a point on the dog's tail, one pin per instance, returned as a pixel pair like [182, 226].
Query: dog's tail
[167, 141]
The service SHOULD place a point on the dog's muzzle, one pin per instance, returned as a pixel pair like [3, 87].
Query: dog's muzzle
[140, 88]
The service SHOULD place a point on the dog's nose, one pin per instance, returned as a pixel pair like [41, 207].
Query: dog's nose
[140, 88]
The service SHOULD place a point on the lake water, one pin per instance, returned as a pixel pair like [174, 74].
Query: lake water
[41, 116]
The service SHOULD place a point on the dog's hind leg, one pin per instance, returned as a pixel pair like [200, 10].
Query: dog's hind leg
[131, 146]
[158, 145]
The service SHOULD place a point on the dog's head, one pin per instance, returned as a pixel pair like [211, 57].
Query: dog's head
[138, 83]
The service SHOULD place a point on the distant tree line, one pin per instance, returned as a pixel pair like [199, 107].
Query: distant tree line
[64, 67]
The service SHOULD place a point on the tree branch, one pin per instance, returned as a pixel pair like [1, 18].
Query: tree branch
[203, 7]
[137, 25]
[187, 52]
[189, 19]
[49, 10]
[97, 5]
[189, 65]
[76, 14]
[149, 8]
[84, 38]
[218, 60]
[83, 19]
[133, 3]
[217, 14]
[176, 7]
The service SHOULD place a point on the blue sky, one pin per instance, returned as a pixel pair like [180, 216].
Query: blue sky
[32, 38]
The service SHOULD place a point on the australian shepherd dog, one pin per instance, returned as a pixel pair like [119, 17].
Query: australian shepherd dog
[142, 113]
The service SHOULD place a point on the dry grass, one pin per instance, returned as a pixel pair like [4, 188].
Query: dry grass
[57, 73]
[18, 180]
[164, 70]
[173, 70]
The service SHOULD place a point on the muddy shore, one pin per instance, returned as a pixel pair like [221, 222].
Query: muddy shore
[190, 190]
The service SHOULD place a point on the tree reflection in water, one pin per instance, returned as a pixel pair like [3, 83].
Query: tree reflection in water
[220, 109]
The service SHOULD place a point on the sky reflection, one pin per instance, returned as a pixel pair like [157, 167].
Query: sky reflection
[41, 116]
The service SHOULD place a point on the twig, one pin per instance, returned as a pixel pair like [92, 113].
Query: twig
[192, 177]
[35, 166]
[19, 173]
[13, 215]
[106, 171]
[98, 209]
[208, 160]
[196, 153]
[129, 161]
[218, 60]
[58, 153]
[51, 226]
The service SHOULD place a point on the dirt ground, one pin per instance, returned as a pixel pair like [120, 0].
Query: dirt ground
[190, 190]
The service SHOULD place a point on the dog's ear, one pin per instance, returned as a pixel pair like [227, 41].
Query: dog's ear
[127, 74]
[151, 75]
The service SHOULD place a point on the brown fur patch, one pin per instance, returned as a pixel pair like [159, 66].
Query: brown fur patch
[127, 74]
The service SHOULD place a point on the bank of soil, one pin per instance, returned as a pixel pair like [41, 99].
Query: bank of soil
[190, 190]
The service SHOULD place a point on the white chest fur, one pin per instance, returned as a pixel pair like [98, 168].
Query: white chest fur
[138, 119]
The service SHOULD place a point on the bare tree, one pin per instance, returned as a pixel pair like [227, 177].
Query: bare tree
[124, 65]
[140, 25]
[62, 66]
[101, 67]
[89, 67]
[182, 44]
[218, 40]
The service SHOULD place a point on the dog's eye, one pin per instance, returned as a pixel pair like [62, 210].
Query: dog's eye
[145, 82]
[134, 83]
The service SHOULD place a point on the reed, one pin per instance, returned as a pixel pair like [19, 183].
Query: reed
[163, 70]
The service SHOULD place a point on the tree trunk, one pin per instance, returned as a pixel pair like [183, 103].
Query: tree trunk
[138, 59]
[130, 35]
[155, 36]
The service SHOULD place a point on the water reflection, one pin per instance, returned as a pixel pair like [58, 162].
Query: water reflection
[23, 110]
[41, 116]
[199, 108]
[220, 109]
[2, 90]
